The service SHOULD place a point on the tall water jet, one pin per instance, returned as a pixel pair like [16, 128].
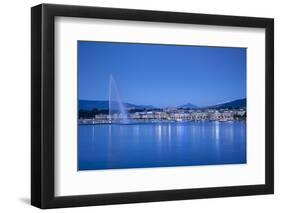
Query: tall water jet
[117, 112]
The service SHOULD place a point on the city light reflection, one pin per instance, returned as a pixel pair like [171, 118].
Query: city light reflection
[217, 132]
[159, 133]
[93, 133]
[169, 133]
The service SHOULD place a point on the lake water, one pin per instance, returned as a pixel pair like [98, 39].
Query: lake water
[161, 145]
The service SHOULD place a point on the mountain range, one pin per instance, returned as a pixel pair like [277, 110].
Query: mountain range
[104, 105]
[188, 106]
[239, 103]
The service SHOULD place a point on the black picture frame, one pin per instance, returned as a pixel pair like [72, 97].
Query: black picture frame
[43, 110]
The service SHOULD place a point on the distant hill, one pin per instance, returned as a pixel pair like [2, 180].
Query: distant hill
[89, 105]
[104, 105]
[239, 103]
[188, 106]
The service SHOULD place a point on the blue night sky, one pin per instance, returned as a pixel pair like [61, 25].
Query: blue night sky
[161, 75]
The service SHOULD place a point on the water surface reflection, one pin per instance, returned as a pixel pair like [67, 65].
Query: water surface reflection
[161, 145]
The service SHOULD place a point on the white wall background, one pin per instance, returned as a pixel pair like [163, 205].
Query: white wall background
[15, 105]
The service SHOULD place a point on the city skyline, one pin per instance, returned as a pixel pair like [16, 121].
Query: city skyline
[162, 75]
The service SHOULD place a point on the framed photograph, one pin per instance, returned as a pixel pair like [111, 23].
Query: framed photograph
[139, 106]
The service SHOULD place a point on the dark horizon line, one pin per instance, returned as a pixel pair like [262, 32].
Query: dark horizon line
[172, 106]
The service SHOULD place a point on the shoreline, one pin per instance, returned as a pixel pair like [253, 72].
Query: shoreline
[159, 122]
